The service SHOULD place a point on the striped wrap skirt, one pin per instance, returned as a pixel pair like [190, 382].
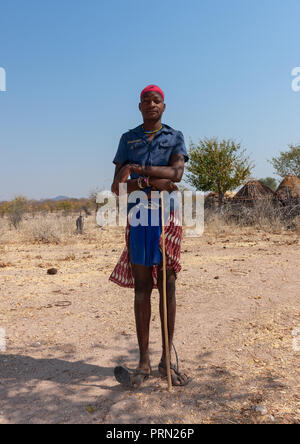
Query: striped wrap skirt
[122, 274]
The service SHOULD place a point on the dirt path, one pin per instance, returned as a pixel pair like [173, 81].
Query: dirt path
[238, 304]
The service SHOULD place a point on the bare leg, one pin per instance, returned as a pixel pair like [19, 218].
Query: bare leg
[142, 308]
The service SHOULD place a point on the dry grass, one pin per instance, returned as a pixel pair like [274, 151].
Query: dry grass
[297, 224]
[47, 229]
[217, 223]
[59, 228]
[264, 215]
[238, 303]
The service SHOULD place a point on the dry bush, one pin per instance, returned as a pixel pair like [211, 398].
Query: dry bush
[216, 222]
[16, 210]
[264, 215]
[3, 227]
[48, 229]
[296, 224]
[7, 233]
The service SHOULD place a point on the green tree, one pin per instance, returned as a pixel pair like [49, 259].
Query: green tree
[64, 205]
[270, 182]
[16, 210]
[93, 199]
[217, 166]
[288, 162]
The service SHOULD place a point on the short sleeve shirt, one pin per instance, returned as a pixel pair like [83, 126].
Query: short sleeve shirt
[135, 147]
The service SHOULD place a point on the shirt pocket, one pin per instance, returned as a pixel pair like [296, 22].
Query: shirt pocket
[164, 152]
[136, 152]
[164, 144]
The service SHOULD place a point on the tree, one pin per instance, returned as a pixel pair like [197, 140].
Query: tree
[64, 205]
[270, 182]
[16, 210]
[93, 198]
[288, 162]
[217, 166]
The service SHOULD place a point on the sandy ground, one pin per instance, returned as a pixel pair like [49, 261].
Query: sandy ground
[238, 304]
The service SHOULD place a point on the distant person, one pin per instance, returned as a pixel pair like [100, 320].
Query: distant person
[79, 224]
[150, 157]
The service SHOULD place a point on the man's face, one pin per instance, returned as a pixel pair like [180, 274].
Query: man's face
[152, 106]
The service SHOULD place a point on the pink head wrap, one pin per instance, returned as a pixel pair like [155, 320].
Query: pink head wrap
[152, 88]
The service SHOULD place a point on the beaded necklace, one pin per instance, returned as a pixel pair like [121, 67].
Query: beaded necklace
[152, 132]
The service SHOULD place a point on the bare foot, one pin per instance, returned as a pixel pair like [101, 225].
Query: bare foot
[178, 379]
[132, 379]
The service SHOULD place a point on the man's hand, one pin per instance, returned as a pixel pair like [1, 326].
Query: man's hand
[163, 185]
[115, 188]
[138, 169]
[123, 174]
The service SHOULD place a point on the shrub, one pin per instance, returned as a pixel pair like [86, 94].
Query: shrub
[16, 210]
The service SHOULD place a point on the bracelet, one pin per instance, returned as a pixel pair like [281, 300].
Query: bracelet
[141, 182]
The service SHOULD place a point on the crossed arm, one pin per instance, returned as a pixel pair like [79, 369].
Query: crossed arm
[162, 178]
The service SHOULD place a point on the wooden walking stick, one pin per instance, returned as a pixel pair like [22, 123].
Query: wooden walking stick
[165, 307]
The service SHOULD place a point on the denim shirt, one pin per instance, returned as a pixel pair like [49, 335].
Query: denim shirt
[135, 147]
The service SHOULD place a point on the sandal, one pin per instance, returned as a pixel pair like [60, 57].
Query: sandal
[129, 378]
[163, 372]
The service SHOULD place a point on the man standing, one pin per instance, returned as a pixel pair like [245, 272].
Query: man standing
[150, 157]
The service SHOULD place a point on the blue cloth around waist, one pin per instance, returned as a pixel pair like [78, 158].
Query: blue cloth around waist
[145, 218]
[144, 241]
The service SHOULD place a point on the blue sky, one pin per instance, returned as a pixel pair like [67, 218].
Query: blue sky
[75, 70]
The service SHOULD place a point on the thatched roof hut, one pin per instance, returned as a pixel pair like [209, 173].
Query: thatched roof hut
[212, 199]
[289, 189]
[253, 191]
